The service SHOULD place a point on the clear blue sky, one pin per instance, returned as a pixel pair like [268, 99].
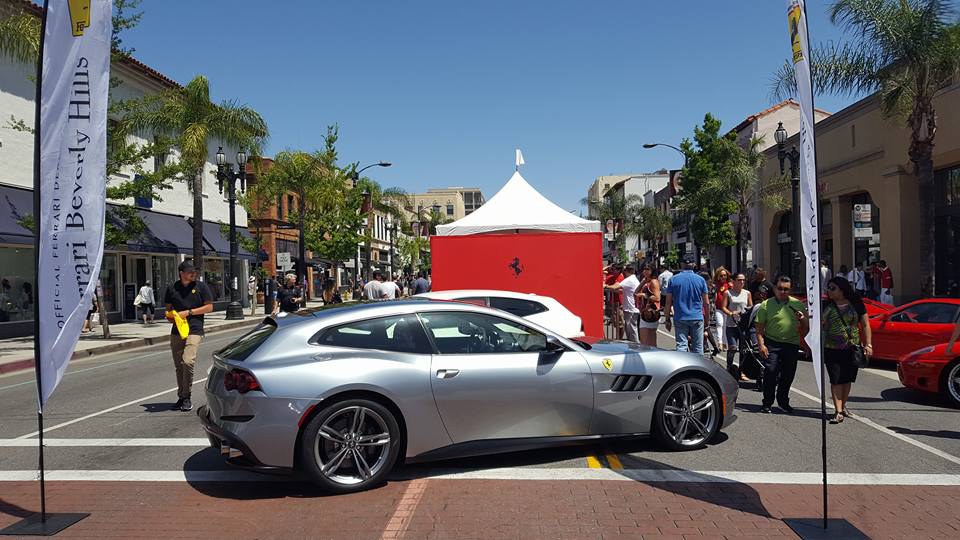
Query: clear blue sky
[446, 90]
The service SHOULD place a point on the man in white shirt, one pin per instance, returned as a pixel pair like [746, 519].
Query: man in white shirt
[664, 278]
[858, 278]
[825, 275]
[631, 313]
[389, 289]
[373, 290]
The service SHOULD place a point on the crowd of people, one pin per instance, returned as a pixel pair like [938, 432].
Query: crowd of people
[747, 317]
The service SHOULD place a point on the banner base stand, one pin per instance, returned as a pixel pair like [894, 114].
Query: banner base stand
[837, 529]
[33, 526]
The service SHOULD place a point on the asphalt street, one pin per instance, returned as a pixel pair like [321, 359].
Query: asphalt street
[112, 413]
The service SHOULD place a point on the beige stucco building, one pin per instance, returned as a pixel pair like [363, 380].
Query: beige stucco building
[863, 165]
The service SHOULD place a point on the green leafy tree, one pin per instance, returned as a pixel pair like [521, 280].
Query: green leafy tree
[20, 37]
[188, 117]
[618, 207]
[672, 258]
[905, 52]
[650, 224]
[708, 155]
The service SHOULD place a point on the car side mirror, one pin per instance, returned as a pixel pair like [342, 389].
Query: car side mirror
[555, 345]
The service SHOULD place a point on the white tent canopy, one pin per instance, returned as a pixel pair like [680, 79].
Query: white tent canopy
[518, 206]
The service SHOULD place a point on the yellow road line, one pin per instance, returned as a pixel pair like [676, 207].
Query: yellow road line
[614, 461]
[593, 462]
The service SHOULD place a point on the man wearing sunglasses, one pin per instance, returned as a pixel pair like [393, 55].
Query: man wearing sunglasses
[781, 325]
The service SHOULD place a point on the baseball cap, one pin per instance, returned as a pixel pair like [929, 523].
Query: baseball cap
[688, 259]
[187, 266]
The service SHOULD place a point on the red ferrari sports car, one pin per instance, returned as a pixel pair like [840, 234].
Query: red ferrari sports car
[924, 323]
[933, 369]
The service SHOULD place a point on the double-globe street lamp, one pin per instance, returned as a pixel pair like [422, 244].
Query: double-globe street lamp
[686, 162]
[781, 136]
[365, 209]
[226, 174]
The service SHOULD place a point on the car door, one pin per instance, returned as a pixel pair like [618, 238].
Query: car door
[494, 379]
[912, 327]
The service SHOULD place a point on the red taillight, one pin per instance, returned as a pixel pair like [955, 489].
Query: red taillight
[241, 381]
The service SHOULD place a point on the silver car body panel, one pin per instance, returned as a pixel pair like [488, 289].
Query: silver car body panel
[493, 396]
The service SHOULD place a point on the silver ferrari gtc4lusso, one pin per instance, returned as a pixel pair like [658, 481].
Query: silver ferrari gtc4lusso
[344, 393]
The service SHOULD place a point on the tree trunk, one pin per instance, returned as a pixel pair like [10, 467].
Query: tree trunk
[104, 320]
[923, 124]
[198, 222]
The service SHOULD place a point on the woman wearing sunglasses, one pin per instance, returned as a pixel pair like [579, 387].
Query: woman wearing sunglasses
[845, 326]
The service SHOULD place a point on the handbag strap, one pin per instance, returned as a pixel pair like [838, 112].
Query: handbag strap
[846, 327]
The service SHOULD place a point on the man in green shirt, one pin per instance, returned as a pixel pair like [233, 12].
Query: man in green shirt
[781, 325]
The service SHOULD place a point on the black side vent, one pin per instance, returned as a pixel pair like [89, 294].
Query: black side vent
[630, 383]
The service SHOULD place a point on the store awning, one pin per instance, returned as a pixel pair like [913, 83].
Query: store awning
[164, 233]
[15, 204]
[219, 242]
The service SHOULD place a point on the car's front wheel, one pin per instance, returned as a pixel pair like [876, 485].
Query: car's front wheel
[950, 383]
[687, 414]
[350, 445]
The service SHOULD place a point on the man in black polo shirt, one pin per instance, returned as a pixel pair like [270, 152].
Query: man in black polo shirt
[289, 297]
[191, 299]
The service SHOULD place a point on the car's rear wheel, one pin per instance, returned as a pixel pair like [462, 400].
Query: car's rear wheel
[687, 414]
[950, 382]
[350, 445]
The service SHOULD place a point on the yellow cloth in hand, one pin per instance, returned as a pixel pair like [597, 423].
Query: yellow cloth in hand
[182, 326]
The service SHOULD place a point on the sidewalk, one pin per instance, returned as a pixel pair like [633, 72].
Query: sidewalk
[16, 354]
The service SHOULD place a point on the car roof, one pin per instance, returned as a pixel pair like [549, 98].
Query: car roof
[462, 293]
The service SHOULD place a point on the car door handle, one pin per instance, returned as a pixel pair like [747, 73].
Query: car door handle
[447, 373]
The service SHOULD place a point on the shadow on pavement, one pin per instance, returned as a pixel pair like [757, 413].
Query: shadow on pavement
[939, 433]
[11, 509]
[157, 407]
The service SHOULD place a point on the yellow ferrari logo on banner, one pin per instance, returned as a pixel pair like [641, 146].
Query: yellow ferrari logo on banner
[608, 363]
[79, 16]
[793, 16]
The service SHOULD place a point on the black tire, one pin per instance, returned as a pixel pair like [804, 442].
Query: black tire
[349, 475]
[664, 430]
[951, 396]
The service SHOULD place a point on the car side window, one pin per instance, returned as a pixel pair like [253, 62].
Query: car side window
[517, 306]
[400, 333]
[931, 313]
[477, 333]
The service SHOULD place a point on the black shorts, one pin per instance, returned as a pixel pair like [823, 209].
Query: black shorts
[146, 308]
[839, 365]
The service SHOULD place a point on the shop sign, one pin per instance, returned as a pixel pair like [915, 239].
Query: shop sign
[784, 238]
[862, 230]
[862, 213]
[283, 261]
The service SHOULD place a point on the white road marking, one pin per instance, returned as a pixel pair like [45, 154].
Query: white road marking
[106, 442]
[105, 411]
[100, 357]
[866, 421]
[511, 473]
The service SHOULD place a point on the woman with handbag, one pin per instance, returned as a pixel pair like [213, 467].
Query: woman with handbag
[736, 301]
[848, 343]
[648, 299]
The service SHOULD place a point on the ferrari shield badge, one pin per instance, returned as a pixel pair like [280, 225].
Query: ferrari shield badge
[608, 363]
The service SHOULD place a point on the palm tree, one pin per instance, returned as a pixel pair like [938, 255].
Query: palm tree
[187, 115]
[904, 51]
[649, 224]
[618, 207]
[20, 37]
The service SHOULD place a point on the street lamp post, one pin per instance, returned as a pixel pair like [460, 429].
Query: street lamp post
[367, 223]
[781, 136]
[686, 162]
[226, 174]
[365, 209]
[391, 231]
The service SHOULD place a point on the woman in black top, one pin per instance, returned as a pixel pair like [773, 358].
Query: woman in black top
[845, 326]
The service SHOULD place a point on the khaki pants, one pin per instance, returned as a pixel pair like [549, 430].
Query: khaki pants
[184, 356]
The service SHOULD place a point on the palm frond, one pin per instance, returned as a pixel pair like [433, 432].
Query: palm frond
[20, 38]
[834, 69]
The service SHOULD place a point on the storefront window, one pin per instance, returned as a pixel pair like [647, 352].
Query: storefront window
[17, 292]
[947, 230]
[214, 278]
[108, 282]
[164, 273]
[866, 230]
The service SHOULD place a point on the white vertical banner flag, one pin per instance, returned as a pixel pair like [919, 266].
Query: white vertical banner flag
[72, 182]
[809, 223]
[519, 158]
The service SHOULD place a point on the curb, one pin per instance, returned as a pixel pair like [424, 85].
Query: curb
[136, 343]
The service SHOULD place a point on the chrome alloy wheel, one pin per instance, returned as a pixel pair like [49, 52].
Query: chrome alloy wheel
[690, 413]
[352, 445]
[953, 382]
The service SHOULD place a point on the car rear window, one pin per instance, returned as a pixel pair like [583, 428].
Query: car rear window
[517, 306]
[242, 348]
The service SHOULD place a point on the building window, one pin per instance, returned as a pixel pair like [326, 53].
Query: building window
[17, 293]
[280, 208]
[108, 282]
[290, 206]
[947, 232]
[213, 276]
[450, 210]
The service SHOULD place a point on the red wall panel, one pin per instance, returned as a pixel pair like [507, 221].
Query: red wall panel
[565, 266]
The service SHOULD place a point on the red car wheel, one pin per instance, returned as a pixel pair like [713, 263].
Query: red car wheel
[950, 382]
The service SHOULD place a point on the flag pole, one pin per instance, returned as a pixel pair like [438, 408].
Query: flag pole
[36, 261]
